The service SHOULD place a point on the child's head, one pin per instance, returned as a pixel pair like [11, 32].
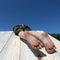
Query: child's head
[21, 27]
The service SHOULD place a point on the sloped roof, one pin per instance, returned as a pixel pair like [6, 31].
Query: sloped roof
[12, 48]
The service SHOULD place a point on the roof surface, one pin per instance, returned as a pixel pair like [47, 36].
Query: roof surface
[12, 48]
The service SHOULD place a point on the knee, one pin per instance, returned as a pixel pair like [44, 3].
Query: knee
[44, 33]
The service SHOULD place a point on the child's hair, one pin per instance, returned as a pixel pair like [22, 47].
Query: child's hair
[21, 27]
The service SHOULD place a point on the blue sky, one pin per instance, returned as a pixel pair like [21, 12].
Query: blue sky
[38, 14]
